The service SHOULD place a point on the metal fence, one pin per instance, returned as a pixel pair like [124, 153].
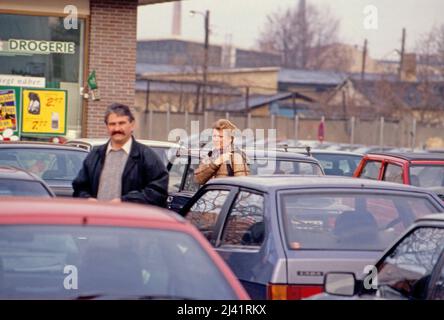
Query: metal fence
[379, 131]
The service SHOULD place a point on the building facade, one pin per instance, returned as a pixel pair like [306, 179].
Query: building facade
[58, 44]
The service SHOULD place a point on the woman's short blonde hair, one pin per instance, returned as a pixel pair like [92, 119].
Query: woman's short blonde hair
[224, 124]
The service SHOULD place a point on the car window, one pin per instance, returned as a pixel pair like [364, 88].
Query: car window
[190, 184]
[406, 270]
[439, 286]
[342, 165]
[427, 175]
[261, 167]
[10, 187]
[205, 211]
[371, 170]
[245, 222]
[267, 166]
[48, 164]
[176, 174]
[347, 220]
[393, 173]
[115, 262]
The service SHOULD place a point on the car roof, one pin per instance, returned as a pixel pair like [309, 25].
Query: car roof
[322, 151]
[277, 182]
[82, 211]
[432, 217]
[410, 155]
[99, 141]
[257, 153]
[38, 145]
[8, 172]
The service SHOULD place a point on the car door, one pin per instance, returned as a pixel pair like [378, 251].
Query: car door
[406, 271]
[207, 208]
[241, 239]
[437, 282]
[181, 186]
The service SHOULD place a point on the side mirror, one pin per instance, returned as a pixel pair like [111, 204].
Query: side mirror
[340, 283]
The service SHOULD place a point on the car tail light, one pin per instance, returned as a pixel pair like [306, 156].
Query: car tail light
[291, 292]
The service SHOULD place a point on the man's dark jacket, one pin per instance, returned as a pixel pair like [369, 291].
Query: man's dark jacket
[144, 179]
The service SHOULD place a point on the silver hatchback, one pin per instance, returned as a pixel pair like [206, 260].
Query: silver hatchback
[282, 234]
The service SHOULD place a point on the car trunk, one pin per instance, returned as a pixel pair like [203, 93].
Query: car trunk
[306, 268]
[310, 266]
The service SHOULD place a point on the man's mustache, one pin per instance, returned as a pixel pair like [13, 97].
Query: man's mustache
[117, 132]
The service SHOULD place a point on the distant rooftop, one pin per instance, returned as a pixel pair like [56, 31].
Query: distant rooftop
[311, 76]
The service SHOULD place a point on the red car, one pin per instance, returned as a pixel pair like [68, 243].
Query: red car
[418, 169]
[76, 249]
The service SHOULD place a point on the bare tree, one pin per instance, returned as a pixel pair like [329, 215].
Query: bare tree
[300, 35]
[430, 71]
[430, 50]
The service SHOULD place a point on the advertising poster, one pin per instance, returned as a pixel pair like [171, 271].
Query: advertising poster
[9, 106]
[44, 111]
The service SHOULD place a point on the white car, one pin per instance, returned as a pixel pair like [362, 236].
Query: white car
[165, 149]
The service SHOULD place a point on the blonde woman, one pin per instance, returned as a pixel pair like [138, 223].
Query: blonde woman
[224, 160]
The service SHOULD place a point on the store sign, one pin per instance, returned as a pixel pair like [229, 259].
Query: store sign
[40, 47]
[8, 110]
[44, 111]
[20, 81]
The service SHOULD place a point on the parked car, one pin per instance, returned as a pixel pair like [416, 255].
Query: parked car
[182, 185]
[417, 169]
[163, 148]
[411, 269]
[334, 162]
[281, 234]
[18, 182]
[57, 165]
[106, 251]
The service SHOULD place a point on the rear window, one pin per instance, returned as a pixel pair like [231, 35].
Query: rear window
[349, 221]
[10, 187]
[48, 164]
[110, 262]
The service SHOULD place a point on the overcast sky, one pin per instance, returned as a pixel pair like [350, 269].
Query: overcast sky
[243, 20]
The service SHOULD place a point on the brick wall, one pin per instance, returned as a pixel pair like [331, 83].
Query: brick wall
[112, 53]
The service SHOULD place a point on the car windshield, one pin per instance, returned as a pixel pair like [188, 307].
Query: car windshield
[427, 175]
[347, 220]
[110, 262]
[46, 163]
[338, 165]
[11, 187]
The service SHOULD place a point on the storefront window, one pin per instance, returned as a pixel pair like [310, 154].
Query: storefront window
[39, 46]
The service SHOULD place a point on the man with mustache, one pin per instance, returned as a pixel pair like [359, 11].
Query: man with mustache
[122, 169]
